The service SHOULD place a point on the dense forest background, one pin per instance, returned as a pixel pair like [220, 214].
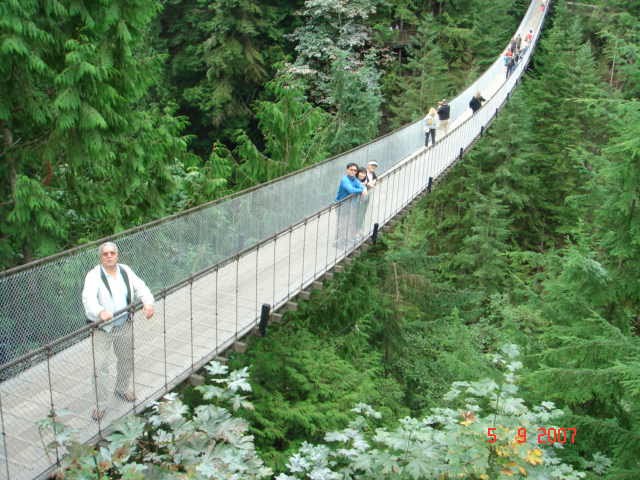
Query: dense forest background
[532, 239]
[114, 113]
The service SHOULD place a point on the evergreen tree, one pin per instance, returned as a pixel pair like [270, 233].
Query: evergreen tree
[483, 251]
[84, 157]
[565, 72]
[582, 363]
[617, 217]
[422, 81]
[356, 99]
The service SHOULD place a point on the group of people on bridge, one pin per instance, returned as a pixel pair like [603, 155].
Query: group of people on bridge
[111, 287]
[439, 118]
[516, 50]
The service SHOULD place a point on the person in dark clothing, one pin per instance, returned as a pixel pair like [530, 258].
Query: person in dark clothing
[513, 45]
[444, 111]
[509, 62]
[476, 102]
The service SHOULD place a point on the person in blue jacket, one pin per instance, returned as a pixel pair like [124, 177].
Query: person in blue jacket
[346, 230]
[350, 184]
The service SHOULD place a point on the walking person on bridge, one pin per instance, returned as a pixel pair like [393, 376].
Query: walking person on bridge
[444, 112]
[430, 126]
[509, 62]
[109, 288]
[476, 102]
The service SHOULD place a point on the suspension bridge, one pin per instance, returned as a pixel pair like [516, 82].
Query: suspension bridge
[211, 269]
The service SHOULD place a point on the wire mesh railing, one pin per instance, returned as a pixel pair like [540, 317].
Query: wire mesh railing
[243, 255]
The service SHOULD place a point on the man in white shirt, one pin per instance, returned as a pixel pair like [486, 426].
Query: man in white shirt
[109, 288]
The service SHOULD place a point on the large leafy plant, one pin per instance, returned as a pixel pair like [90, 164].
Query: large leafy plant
[174, 441]
[452, 442]
[208, 442]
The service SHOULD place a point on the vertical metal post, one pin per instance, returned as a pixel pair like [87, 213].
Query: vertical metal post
[398, 190]
[387, 183]
[304, 247]
[423, 170]
[133, 352]
[430, 185]
[396, 193]
[4, 439]
[94, 330]
[191, 320]
[414, 179]
[426, 169]
[326, 256]
[414, 168]
[409, 195]
[257, 256]
[379, 186]
[289, 265]
[52, 411]
[275, 246]
[216, 311]
[339, 207]
[374, 236]
[315, 260]
[351, 201]
[237, 293]
[164, 339]
[264, 319]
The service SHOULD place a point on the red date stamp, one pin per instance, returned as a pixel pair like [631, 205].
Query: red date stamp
[547, 436]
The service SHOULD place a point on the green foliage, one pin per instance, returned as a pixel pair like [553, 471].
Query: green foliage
[423, 80]
[208, 441]
[617, 197]
[173, 442]
[294, 131]
[78, 139]
[330, 27]
[452, 442]
[354, 93]
[221, 55]
[303, 385]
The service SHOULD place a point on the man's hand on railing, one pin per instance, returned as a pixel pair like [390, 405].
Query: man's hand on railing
[148, 311]
[105, 315]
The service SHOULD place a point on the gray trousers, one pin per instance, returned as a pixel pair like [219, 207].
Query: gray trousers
[120, 339]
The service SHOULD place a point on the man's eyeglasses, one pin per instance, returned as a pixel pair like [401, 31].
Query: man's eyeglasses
[107, 254]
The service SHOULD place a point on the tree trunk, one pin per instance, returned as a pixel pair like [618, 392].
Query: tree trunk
[7, 137]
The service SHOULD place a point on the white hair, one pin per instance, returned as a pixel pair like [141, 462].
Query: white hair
[105, 245]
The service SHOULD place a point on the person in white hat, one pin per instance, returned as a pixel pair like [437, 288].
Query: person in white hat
[371, 173]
